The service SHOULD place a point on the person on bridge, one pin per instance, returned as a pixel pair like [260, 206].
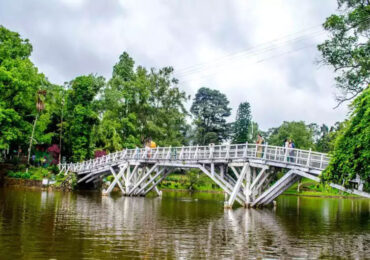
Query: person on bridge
[153, 145]
[286, 149]
[149, 145]
[259, 143]
[291, 150]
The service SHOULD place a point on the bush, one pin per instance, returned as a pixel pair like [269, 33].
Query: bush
[110, 178]
[33, 174]
[25, 175]
[54, 169]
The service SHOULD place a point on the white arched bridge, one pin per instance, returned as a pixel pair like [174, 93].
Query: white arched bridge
[246, 172]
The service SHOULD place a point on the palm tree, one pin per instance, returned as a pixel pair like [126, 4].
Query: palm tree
[40, 105]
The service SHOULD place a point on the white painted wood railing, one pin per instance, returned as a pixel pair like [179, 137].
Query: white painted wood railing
[234, 152]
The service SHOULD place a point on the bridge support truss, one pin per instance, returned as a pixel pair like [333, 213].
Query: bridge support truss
[246, 172]
[243, 182]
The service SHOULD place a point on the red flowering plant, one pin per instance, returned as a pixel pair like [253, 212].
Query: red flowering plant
[99, 153]
[54, 152]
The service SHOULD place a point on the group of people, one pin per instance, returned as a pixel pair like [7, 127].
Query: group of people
[288, 148]
[42, 161]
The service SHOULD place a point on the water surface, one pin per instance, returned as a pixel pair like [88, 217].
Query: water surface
[45, 225]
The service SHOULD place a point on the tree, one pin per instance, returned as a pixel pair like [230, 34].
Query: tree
[348, 50]
[351, 155]
[118, 126]
[324, 136]
[243, 124]
[169, 117]
[40, 105]
[19, 83]
[138, 104]
[299, 132]
[81, 115]
[210, 109]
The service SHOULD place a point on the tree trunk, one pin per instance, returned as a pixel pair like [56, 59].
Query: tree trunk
[31, 139]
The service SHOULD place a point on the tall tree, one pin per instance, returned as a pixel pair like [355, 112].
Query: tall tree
[210, 109]
[118, 127]
[169, 117]
[81, 115]
[348, 49]
[351, 153]
[243, 124]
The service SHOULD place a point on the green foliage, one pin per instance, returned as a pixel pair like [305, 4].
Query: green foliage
[19, 82]
[348, 48]
[299, 132]
[110, 178]
[351, 153]
[243, 124]
[61, 178]
[81, 115]
[324, 136]
[138, 104]
[192, 180]
[34, 173]
[210, 109]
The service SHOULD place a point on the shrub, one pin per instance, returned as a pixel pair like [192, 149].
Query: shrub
[25, 175]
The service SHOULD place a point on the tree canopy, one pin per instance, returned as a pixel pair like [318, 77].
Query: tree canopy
[138, 104]
[351, 153]
[210, 109]
[299, 132]
[243, 124]
[348, 48]
[81, 115]
[348, 51]
[19, 82]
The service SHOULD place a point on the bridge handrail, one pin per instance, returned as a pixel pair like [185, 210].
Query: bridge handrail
[300, 157]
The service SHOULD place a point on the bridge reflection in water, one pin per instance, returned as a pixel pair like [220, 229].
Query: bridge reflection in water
[244, 171]
[180, 226]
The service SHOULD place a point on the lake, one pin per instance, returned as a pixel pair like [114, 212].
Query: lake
[38, 224]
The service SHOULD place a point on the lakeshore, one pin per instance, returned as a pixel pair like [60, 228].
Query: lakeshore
[188, 182]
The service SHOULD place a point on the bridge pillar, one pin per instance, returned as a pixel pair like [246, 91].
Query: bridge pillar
[247, 191]
[238, 185]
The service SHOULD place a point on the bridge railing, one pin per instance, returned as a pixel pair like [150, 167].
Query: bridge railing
[299, 157]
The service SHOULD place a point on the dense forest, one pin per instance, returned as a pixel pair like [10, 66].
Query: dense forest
[91, 115]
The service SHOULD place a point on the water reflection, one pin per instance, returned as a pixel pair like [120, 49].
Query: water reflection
[43, 225]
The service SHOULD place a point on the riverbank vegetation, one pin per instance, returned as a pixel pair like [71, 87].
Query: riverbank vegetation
[43, 123]
[201, 183]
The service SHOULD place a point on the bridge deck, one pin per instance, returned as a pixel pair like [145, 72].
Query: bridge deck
[273, 155]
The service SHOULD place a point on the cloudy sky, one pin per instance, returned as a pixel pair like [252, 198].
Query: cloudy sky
[263, 52]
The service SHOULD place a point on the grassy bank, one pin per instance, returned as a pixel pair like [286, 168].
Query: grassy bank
[38, 174]
[307, 187]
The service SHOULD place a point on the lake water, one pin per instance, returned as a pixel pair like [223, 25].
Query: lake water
[56, 225]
